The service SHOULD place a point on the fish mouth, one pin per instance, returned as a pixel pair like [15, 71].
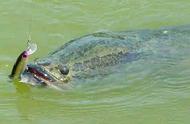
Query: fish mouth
[35, 75]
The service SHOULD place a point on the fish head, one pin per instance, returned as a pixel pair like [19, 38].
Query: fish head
[46, 74]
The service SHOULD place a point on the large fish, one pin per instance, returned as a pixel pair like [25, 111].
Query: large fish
[97, 54]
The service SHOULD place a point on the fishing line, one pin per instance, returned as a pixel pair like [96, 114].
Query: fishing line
[30, 30]
[30, 24]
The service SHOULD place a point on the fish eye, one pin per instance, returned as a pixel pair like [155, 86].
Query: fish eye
[63, 69]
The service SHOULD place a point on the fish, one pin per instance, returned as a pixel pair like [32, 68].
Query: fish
[97, 55]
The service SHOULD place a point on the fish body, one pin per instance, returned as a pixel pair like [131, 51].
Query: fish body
[96, 54]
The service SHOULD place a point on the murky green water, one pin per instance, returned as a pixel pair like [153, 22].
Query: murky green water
[153, 93]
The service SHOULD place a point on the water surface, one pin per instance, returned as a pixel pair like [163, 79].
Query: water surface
[157, 92]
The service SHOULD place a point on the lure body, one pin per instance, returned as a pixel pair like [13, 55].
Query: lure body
[19, 65]
[21, 62]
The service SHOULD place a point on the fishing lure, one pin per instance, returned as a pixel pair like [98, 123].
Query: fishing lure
[22, 60]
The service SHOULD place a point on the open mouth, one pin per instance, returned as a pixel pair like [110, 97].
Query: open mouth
[36, 75]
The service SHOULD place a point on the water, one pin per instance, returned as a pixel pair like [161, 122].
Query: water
[157, 92]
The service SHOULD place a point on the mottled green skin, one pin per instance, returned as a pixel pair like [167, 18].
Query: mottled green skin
[92, 54]
[89, 56]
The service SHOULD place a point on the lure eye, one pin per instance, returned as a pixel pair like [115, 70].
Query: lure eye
[63, 69]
